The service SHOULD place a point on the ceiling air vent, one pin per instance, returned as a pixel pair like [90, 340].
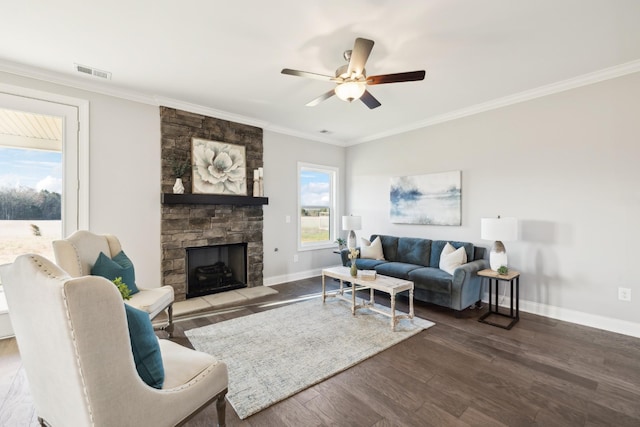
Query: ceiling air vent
[93, 71]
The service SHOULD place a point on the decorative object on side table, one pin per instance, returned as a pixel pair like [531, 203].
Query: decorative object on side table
[351, 223]
[341, 243]
[218, 167]
[498, 229]
[353, 255]
[179, 168]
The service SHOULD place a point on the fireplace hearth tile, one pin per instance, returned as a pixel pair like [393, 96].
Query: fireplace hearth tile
[225, 298]
[214, 302]
[256, 291]
[191, 305]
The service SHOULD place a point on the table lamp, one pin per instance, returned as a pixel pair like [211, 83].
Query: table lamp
[351, 223]
[498, 229]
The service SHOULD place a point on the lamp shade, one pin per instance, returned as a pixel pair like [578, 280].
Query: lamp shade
[501, 229]
[351, 222]
[350, 91]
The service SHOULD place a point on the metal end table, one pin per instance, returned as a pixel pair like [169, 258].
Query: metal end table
[513, 277]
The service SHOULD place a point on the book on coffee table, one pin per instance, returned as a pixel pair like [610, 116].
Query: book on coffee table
[368, 274]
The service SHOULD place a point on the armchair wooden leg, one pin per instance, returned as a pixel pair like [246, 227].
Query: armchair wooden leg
[221, 406]
[169, 327]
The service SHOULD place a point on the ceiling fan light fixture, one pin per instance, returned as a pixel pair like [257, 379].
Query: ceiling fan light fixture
[350, 91]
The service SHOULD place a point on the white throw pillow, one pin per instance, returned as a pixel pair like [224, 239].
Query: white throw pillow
[450, 258]
[371, 250]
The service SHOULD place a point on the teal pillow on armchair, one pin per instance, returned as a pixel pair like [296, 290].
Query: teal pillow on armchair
[145, 347]
[119, 266]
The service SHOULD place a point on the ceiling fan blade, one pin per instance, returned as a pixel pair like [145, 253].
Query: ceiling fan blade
[307, 74]
[359, 55]
[369, 100]
[321, 98]
[409, 76]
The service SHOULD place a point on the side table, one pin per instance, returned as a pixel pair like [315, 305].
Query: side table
[512, 277]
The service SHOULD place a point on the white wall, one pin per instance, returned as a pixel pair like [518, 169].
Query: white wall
[124, 193]
[281, 156]
[566, 165]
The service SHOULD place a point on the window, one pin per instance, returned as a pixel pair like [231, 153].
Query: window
[317, 221]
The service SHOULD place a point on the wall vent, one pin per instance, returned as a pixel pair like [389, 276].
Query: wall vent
[93, 71]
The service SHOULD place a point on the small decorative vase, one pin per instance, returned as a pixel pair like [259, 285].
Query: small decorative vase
[178, 188]
[354, 269]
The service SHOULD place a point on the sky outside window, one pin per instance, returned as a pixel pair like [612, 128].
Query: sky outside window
[315, 188]
[40, 170]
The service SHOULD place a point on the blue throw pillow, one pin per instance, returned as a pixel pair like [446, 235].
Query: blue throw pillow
[111, 268]
[146, 350]
[124, 262]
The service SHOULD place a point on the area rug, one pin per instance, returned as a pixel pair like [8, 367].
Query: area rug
[274, 354]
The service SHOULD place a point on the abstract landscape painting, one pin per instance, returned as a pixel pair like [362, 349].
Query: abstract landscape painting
[433, 199]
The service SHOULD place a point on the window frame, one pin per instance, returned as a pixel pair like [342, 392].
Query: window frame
[334, 174]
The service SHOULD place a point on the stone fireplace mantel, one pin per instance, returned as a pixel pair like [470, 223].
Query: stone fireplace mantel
[212, 199]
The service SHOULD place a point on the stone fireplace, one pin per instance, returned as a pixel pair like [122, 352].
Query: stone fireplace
[193, 221]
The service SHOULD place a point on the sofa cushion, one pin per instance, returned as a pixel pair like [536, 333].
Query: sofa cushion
[389, 246]
[438, 245]
[432, 279]
[371, 250]
[414, 250]
[451, 258]
[367, 264]
[396, 269]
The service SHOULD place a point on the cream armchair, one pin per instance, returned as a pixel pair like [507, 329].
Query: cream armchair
[74, 344]
[78, 253]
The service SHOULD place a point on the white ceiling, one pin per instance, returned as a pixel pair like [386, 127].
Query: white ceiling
[225, 57]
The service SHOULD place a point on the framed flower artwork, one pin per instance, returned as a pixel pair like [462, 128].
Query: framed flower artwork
[218, 167]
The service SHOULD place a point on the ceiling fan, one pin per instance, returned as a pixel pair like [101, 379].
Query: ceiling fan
[351, 78]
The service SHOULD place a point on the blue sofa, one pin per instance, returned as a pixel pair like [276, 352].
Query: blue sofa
[418, 260]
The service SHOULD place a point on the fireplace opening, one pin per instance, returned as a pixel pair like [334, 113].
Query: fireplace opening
[212, 269]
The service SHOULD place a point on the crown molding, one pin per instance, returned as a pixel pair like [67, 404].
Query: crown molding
[83, 83]
[572, 83]
[87, 83]
[80, 82]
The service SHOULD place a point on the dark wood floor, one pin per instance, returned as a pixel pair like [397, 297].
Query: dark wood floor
[460, 372]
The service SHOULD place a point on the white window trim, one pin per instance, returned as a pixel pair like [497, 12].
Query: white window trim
[333, 227]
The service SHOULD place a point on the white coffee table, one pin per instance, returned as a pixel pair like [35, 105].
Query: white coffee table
[389, 285]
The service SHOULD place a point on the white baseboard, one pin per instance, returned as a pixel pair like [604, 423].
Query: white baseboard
[300, 275]
[578, 317]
